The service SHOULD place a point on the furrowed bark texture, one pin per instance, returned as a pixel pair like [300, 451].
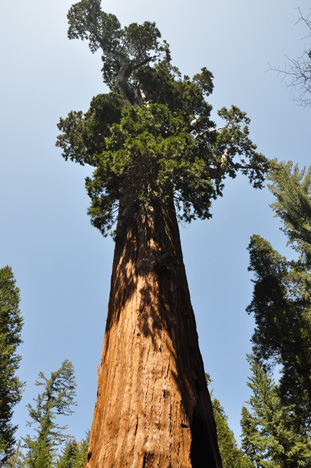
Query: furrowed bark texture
[153, 408]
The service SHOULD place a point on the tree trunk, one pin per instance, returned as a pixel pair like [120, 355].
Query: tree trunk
[153, 408]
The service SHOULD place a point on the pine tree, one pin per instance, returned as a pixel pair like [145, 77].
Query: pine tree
[57, 398]
[82, 451]
[250, 435]
[231, 455]
[16, 460]
[281, 301]
[291, 188]
[11, 323]
[69, 456]
[157, 155]
[74, 454]
[270, 436]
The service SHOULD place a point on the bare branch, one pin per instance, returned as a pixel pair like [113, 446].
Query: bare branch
[208, 130]
[298, 70]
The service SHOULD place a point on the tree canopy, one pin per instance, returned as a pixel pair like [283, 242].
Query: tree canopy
[151, 138]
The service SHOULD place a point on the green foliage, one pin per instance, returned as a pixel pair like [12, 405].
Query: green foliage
[231, 455]
[281, 300]
[250, 435]
[151, 139]
[57, 398]
[83, 446]
[69, 455]
[11, 323]
[270, 437]
[74, 454]
[292, 189]
[128, 48]
[16, 460]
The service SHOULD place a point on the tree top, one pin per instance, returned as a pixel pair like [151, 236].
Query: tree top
[151, 137]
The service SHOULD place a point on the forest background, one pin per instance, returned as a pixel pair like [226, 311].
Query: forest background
[61, 263]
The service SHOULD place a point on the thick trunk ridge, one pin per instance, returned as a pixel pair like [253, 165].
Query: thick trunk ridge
[153, 408]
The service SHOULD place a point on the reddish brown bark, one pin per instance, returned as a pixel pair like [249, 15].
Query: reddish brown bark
[153, 408]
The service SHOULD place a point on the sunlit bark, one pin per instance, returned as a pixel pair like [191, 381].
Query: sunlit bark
[153, 408]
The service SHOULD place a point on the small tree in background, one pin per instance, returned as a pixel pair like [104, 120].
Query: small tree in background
[231, 455]
[11, 323]
[57, 398]
[16, 460]
[74, 453]
[269, 434]
[250, 435]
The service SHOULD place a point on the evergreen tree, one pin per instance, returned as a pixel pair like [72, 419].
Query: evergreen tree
[292, 191]
[69, 456]
[16, 460]
[82, 452]
[270, 436]
[156, 154]
[151, 138]
[74, 454]
[281, 300]
[11, 323]
[231, 455]
[250, 435]
[57, 398]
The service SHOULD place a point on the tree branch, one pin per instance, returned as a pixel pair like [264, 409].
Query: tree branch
[208, 130]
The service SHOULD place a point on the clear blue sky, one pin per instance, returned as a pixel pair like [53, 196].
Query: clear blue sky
[61, 263]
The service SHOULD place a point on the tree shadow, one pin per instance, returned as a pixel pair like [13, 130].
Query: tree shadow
[148, 262]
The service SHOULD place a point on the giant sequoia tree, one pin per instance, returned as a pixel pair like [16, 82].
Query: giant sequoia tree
[157, 157]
